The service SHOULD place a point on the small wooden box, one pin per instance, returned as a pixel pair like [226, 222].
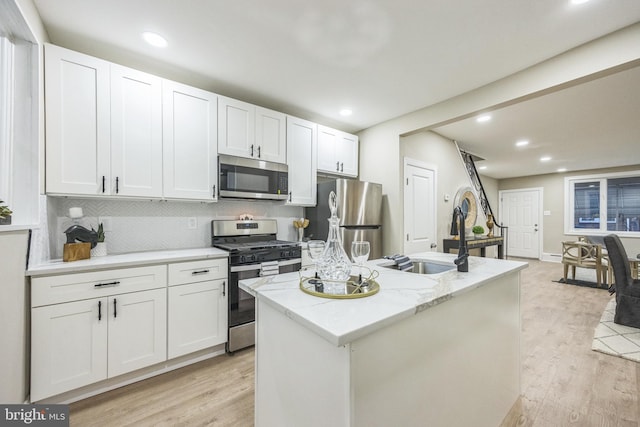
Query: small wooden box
[76, 251]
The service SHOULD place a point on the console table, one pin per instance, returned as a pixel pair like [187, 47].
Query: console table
[476, 242]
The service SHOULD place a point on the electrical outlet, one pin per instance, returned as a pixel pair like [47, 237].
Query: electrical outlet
[192, 223]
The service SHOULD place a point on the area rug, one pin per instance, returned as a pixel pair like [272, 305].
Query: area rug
[616, 340]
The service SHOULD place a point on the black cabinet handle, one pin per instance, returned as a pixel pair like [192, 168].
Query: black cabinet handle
[224, 287]
[337, 166]
[214, 191]
[251, 150]
[99, 285]
[341, 167]
[104, 178]
[290, 195]
[99, 311]
[194, 273]
[115, 308]
[117, 184]
[259, 151]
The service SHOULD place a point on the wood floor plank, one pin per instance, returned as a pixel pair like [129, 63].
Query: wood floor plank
[563, 382]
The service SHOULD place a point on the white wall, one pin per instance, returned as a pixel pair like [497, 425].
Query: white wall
[380, 145]
[14, 314]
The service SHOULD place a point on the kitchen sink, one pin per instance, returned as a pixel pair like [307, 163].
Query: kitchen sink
[426, 267]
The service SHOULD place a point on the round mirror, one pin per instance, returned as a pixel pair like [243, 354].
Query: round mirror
[467, 202]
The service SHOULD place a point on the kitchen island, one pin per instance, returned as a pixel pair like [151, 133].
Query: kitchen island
[427, 350]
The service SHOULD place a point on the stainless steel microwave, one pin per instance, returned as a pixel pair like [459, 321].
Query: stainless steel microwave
[242, 178]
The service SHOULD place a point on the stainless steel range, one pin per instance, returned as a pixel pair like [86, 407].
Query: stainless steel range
[254, 251]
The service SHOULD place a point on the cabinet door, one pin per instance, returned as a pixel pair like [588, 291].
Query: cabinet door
[68, 346]
[190, 142]
[271, 135]
[136, 133]
[137, 330]
[77, 123]
[236, 128]
[302, 161]
[347, 154]
[327, 157]
[197, 316]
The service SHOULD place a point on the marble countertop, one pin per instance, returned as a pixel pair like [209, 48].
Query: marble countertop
[57, 266]
[402, 294]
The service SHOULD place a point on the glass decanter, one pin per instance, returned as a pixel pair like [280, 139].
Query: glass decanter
[335, 263]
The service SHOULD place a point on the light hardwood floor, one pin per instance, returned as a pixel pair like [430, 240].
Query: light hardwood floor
[564, 382]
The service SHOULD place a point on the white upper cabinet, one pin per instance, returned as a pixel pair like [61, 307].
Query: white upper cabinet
[302, 138]
[77, 123]
[337, 152]
[190, 142]
[246, 130]
[103, 127]
[136, 133]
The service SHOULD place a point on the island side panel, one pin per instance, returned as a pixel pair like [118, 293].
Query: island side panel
[454, 364]
[301, 379]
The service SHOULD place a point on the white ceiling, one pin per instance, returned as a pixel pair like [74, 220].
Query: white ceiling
[380, 58]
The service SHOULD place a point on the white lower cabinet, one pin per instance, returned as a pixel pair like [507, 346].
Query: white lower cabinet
[68, 346]
[197, 306]
[79, 342]
[137, 330]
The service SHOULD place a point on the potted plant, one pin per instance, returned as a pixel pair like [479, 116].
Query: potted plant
[101, 246]
[477, 230]
[5, 214]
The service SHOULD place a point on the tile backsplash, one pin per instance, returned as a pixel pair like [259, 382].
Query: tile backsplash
[144, 225]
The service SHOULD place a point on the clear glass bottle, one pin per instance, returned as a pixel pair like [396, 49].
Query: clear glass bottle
[335, 264]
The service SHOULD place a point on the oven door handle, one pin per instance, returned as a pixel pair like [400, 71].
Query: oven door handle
[258, 267]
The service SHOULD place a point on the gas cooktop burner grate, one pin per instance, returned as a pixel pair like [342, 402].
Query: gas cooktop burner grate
[248, 246]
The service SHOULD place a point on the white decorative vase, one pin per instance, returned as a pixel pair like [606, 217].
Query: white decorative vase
[300, 234]
[100, 249]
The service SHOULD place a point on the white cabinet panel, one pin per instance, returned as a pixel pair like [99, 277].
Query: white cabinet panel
[137, 330]
[68, 346]
[249, 131]
[271, 135]
[236, 127]
[337, 152]
[77, 122]
[302, 161]
[136, 133]
[190, 142]
[197, 316]
[197, 271]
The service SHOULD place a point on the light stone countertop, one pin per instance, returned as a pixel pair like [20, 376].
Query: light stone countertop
[57, 266]
[402, 294]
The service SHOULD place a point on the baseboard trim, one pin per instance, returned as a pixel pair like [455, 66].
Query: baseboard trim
[551, 257]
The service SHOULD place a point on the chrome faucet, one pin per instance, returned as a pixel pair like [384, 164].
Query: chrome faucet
[462, 261]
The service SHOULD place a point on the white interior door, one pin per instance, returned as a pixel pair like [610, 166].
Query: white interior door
[520, 211]
[419, 207]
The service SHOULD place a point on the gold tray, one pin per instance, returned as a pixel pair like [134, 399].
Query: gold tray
[352, 289]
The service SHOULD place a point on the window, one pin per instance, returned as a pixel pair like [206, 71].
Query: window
[602, 204]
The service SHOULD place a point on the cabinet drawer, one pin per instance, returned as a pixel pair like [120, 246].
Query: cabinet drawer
[71, 287]
[197, 271]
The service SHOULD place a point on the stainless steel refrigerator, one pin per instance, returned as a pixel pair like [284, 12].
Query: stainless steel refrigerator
[359, 210]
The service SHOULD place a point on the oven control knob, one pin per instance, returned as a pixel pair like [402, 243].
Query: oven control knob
[242, 258]
[252, 258]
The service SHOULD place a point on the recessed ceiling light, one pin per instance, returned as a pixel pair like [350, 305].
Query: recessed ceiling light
[346, 112]
[562, 170]
[154, 39]
[522, 143]
[545, 159]
[483, 118]
[578, 1]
